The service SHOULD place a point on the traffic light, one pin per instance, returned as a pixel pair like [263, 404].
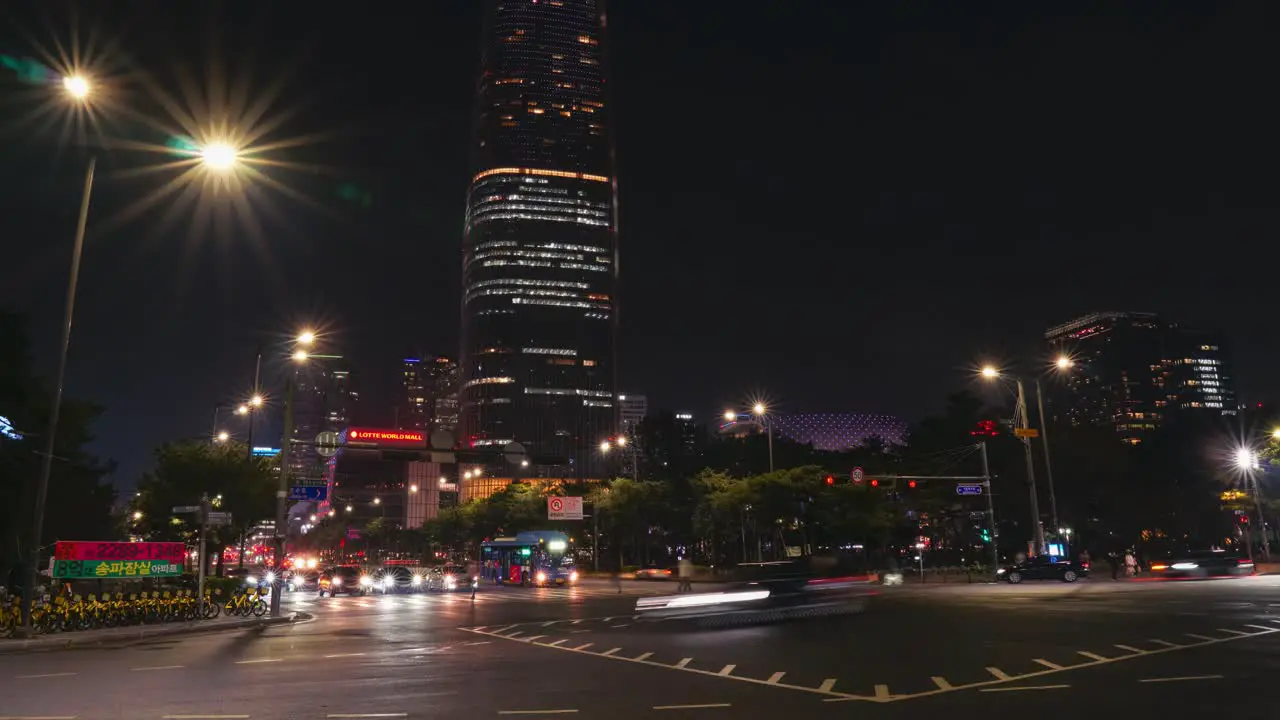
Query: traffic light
[875, 482]
[831, 479]
[1244, 519]
[911, 484]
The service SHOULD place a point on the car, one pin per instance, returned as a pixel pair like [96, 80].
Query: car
[446, 578]
[395, 579]
[1201, 564]
[653, 572]
[345, 580]
[1043, 567]
[303, 581]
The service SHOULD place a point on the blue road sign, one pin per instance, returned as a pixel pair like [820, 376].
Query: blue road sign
[304, 492]
[968, 489]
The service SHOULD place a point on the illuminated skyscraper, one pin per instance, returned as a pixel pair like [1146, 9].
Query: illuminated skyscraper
[540, 265]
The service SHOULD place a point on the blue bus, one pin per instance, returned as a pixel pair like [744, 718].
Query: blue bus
[538, 557]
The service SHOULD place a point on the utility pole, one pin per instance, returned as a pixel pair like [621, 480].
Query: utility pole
[1037, 526]
[1048, 468]
[1262, 520]
[282, 493]
[202, 556]
[991, 508]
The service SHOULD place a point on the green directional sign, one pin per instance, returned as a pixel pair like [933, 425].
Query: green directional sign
[105, 569]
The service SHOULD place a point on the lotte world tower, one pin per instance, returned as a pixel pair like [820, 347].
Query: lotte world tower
[540, 250]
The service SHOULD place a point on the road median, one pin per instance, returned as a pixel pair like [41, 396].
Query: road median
[116, 636]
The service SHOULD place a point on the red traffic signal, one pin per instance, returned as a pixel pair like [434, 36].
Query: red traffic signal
[1244, 519]
[875, 482]
[831, 479]
[911, 484]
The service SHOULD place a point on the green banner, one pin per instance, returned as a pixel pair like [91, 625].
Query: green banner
[80, 569]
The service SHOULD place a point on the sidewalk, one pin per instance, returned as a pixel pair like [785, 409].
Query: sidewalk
[132, 633]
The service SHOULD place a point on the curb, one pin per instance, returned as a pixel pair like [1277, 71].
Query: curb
[88, 639]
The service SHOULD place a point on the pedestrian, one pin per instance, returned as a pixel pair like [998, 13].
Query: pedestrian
[1114, 561]
[685, 571]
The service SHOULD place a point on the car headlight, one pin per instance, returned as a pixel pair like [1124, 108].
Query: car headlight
[1001, 571]
[540, 577]
[336, 581]
[251, 580]
[573, 576]
[366, 581]
[1185, 566]
[270, 578]
[451, 582]
[416, 580]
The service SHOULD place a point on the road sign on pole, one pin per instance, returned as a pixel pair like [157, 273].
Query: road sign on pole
[186, 508]
[969, 488]
[1026, 432]
[564, 508]
[310, 493]
[856, 476]
[327, 444]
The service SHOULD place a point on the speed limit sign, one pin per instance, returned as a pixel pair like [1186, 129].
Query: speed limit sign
[856, 476]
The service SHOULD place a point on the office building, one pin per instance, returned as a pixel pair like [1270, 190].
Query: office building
[540, 244]
[442, 383]
[1133, 371]
[324, 400]
[411, 411]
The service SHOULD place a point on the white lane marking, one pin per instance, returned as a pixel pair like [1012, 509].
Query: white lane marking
[536, 712]
[1181, 679]
[342, 655]
[644, 656]
[479, 642]
[941, 682]
[259, 660]
[1092, 656]
[1046, 663]
[1205, 638]
[204, 717]
[999, 674]
[37, 717]
[1257, 627]
[610, 651]
[366, 715]
[1024, 687]
[882, 692]
[1165, 643]
[1128, 648]
[683, 662]
[701, 706]
[827, 684]
[514, 634]
[43, 675]
[774, 678]
[609, 619]
[727, 670]
[584, 646]
[615, 627]
[531, 638]
[1233, 632]
[549, 623]
[554, 644]
[501, 629]
[156, 667]
[574, 622]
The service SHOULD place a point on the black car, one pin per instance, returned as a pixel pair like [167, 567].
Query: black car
[1043, 567]
[395, 579]
[344, 580]
[1203, 564]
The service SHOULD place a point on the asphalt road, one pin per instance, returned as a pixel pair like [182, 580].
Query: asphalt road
[1145, 648]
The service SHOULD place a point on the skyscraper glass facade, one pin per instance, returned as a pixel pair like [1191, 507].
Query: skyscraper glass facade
[540, 245]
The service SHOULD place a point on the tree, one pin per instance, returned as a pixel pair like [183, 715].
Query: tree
[244, 487]
[79, 503]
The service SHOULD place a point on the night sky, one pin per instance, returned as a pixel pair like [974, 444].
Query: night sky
[842, 209]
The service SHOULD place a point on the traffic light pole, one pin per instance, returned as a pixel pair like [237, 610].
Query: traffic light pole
[991, 508]
[1037, 527]
[282, 495]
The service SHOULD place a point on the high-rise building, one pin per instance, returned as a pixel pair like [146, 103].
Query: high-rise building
[324, 400]
[1133, 371]
[411, 411]
[442, 386]
[632, 410]
[540, 244]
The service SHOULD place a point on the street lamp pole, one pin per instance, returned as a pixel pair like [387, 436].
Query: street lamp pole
[282, 492]
[254, 401]
[46, 462]
[1031, 469]
[1262, 520]
[1048, 467]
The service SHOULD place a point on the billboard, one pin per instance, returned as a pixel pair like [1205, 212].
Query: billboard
[564, 508]
[388, 438]
[78, 559]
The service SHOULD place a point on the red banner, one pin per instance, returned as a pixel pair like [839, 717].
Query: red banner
[174, 552]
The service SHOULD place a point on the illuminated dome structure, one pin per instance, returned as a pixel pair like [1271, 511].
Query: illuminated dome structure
[839, 431]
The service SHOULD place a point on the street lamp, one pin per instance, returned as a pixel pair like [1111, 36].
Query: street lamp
[730, 416]
[760, 411]
[377, 501]
[137, 515]
[991, 373]
[223, 436]
[219, 156]
[414, 488]
[604, 446]
[1247, 463]
[76, 86]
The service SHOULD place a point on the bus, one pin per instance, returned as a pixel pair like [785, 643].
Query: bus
[539, 558]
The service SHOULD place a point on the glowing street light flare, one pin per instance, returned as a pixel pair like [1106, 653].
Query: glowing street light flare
[759, 409]
[1063, 362]
[76, 86]
[604, 446]
[300, 356]
[990, 372]
[622, 441]
[1246, 459]
[242, 410]
[730, 416]
[256, 401]
[219, 156]
[1276, 433]
[137, 515]
[224, 436]
[306, 337]
[414, 488]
